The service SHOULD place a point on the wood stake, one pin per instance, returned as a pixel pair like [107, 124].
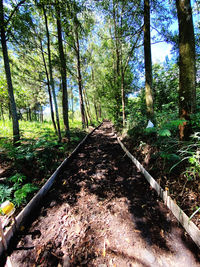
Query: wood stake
[3, 240]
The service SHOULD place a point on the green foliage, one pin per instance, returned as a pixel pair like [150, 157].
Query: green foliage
[21, 195]
[17, 178]
[43, 152]
[164, 132]
[5, 192]
[193, 170]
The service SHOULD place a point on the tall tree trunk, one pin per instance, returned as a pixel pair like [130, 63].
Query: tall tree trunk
[87, 106]
[187, 66]
[51, 74]
[63, 72]
[94, 98]
[30, 114]
[123, 69]
[48, 87]
[148, 63]
[41, 114]
[95, 108]
[123, 97]
[16, 135]
[2, 115]
[117, 55]
[72, 103]
[79, 77]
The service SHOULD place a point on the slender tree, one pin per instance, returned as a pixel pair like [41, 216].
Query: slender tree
[51, 73]
[13, 109]
[63, 71]
[187, 66]
[79, 76]
[48, 86]
[148, 63]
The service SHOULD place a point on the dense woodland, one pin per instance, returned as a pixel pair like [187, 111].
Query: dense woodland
[90, 60]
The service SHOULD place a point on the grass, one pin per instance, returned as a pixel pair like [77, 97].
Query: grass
[37, 156]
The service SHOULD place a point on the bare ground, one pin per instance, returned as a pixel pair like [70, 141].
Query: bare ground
[101, 212]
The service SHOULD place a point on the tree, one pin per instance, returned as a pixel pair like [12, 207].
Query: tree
[63, 71]
[147, 60]
[3, 24]
[51, 72]
[79, 75]
[187, 66]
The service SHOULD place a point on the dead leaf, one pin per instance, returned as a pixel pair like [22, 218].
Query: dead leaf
[104, 252]
[137, 231]
[162, 233]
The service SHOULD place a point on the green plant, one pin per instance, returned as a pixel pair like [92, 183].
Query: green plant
[193, 171]
[20, 196]
[17, 178]
[5, 192]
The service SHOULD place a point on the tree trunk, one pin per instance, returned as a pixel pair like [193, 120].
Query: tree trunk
[2, 115]
[87, 105]
[94, 98]
[51, 75]
[79, 77]
[63, 72]
[16, 135]
[95, 108]
[41, 114]
[187, 67]
[117, 54]
[49, 88]
[148, 63]
[123, 97]
[30, 115]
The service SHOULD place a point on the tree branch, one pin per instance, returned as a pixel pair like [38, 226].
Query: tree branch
[13, 12]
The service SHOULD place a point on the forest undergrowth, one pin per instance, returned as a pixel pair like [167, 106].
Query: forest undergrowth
[26, 167]
[173, 163]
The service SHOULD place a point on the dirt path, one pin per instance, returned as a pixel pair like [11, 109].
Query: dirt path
[103, 213]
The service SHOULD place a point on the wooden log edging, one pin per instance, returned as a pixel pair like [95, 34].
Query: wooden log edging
[22, 216]
[180, 215]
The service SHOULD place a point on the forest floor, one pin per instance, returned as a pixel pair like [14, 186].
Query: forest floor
[185, 191]
[102, 212]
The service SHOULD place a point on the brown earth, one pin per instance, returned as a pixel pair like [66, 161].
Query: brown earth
[185, 191]
[101, 212]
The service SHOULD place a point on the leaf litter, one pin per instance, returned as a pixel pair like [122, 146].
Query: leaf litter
[101, 212]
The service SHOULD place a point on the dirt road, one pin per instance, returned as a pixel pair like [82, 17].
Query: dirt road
[101, 212]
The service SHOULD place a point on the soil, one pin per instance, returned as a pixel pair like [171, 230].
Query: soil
[186, 192]
[102, 212]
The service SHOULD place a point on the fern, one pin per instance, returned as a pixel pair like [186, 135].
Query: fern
[5, 192]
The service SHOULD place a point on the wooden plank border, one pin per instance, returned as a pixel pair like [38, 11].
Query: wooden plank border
[22, 216]
[187, 224]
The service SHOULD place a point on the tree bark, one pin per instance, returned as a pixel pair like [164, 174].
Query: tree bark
[63, 72]
[187, 67]
[87, 106]
[117, 54]
[79, 77]
[16, 135]
[123, 98]
[148, 63]
[49, 88]
[51, 74]
[2, 115]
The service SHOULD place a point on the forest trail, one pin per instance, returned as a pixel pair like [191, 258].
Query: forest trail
[102, 212]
